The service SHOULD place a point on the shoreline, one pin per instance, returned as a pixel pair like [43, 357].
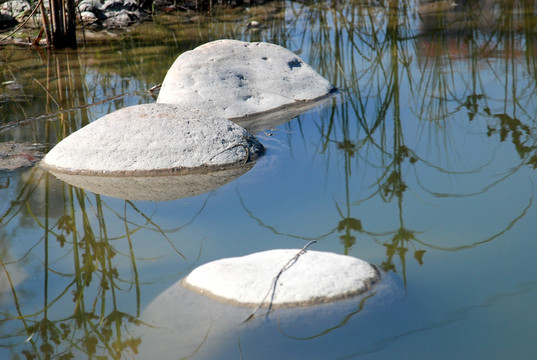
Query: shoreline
[99, 20]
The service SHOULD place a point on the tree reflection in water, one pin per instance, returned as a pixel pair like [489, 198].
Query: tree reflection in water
[380, 53]
[99, 324]
[74, 232]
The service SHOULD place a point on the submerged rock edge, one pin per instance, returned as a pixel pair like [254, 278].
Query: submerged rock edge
[172, 171]
[367, 284]
[286, 305]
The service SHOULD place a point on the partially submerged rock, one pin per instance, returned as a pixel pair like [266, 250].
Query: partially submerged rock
[310, 278]
[153, 139]
[235, 79]
[187, 324]
[16, 155]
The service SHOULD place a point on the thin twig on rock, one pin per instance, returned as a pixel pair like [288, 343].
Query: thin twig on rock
[245, 147]
[154, 88]
[272, 289]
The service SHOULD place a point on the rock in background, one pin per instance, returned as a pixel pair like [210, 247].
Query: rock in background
[11, 11]
[95, 14]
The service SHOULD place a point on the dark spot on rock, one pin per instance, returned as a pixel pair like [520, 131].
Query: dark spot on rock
[295, 63]
[241, 79]
[264, 58]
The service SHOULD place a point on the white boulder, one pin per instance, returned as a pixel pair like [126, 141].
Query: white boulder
[153, 139]
[309, 278]
[235, 79]
[187, 324]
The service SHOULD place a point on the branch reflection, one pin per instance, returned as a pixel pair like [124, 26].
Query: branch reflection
[420, 73]
[89, 271]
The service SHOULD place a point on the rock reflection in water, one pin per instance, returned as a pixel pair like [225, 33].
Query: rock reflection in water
[185, 324]
[271, 119]
[155, 188]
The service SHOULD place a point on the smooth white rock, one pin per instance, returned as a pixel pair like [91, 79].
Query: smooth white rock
[314, 278]
[151, 139]
[182, 323]
[233, 79]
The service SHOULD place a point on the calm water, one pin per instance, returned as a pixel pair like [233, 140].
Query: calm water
[424, 165]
